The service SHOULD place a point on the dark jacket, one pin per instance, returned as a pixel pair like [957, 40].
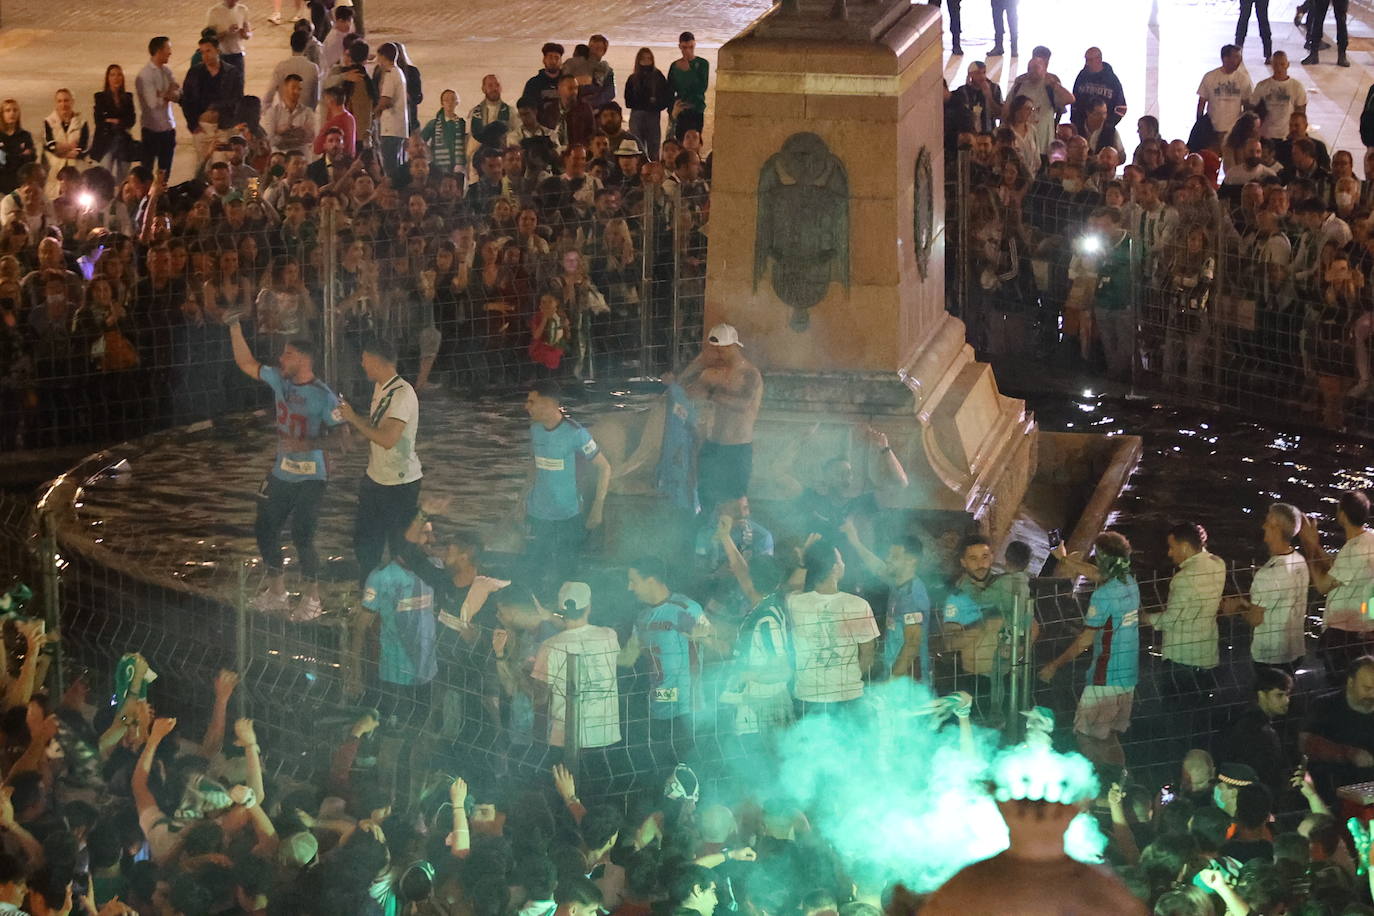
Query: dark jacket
[648, 91]
[541, 89]
[106, 135]
[201, 91]
[1101, 85]
[16, 150]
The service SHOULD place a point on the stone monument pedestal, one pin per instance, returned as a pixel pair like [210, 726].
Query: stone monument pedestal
[827, 253]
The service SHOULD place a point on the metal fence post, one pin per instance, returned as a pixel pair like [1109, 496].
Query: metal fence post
[1137, 275]
[52, 606]
[331, 323]
[572, 726]
[241, 641]
[675, 214]
[647, 260]
[961, 255]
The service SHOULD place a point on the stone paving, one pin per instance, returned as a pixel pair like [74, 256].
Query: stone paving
[1160, 48]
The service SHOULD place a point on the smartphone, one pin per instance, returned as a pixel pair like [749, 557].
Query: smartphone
[1166, 796]
[1055, 538]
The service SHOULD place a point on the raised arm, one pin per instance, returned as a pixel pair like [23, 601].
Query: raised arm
[243, 356]
[143, 797]
[457, 800]
[213, 741]
[246, 737]
[739, 567]
[870, 559]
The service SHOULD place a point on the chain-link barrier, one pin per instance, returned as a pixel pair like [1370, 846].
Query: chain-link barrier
[479, 678]
[532, 271]
[1253, 296]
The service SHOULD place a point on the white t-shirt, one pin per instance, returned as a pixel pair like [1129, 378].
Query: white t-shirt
[1225, 94]
[826, 633]
[398, 464]
[1354, 570]
[223, 19]
[598, 698]
[1280, 97]
[394, 120]
[1280, 587]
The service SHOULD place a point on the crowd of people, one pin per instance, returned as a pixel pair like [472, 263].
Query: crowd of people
[534, 236]
[530, 242]
[1234, 261]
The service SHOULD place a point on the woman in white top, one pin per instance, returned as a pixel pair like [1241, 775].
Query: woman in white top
[833, 633]
[1027, 144]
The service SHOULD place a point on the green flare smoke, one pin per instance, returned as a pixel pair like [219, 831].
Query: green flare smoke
[899, 794]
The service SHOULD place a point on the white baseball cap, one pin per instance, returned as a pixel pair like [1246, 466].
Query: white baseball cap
[578, 593]
[724, 335]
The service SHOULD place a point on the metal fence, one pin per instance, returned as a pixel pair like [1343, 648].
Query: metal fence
[1251, 296]
[496, 705]
[106, 336]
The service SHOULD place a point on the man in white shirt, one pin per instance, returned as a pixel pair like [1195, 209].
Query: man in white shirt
[1347, 582]
[333, 48]
[1277, 604]
[597, 697]
[1252, 168]
[1223, 92]
[392, 111]
[834, 634]
[389, 494]
[156, 89]
[301, 66]
[1275, 98]
[229, 19]
[1189, 625]
[289, 123]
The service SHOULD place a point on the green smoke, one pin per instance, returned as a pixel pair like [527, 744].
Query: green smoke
[902, 794]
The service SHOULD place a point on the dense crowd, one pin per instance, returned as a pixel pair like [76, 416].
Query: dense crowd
[1237, 259]
[527, 242]
[536, 236]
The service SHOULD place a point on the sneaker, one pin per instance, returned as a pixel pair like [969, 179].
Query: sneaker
[270, 602]
[275, 19]
[996, 52]
[1342, 61]
[307, 609]
[956, 51]
[1268, 59]
[1310, 59]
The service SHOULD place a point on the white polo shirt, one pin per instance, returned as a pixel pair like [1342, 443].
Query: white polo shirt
[399, 464]
[395, 120]
[1280, 587]
[222, 18]
[1189, 622]
[1354, 571]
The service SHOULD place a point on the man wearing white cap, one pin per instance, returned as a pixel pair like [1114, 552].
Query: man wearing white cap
[598, 697]
[729, 389]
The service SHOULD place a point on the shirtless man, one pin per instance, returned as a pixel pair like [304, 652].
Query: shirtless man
[728, 389]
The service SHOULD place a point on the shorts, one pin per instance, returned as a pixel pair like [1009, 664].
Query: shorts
[1103, 711]
[723, 473]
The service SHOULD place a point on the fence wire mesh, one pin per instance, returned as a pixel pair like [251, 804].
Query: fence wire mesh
[1252, 295]
[503, 690]
[120, 326]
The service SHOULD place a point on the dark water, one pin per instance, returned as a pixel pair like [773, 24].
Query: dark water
[185, 508]
[1218, 469]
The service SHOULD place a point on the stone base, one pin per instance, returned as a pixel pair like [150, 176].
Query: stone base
[965, 446]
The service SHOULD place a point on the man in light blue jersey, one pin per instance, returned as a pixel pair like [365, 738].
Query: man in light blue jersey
[306, 411]
[906, 629]
[409, 659]
[667, 631]
[553, 505]
[1112, 628]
